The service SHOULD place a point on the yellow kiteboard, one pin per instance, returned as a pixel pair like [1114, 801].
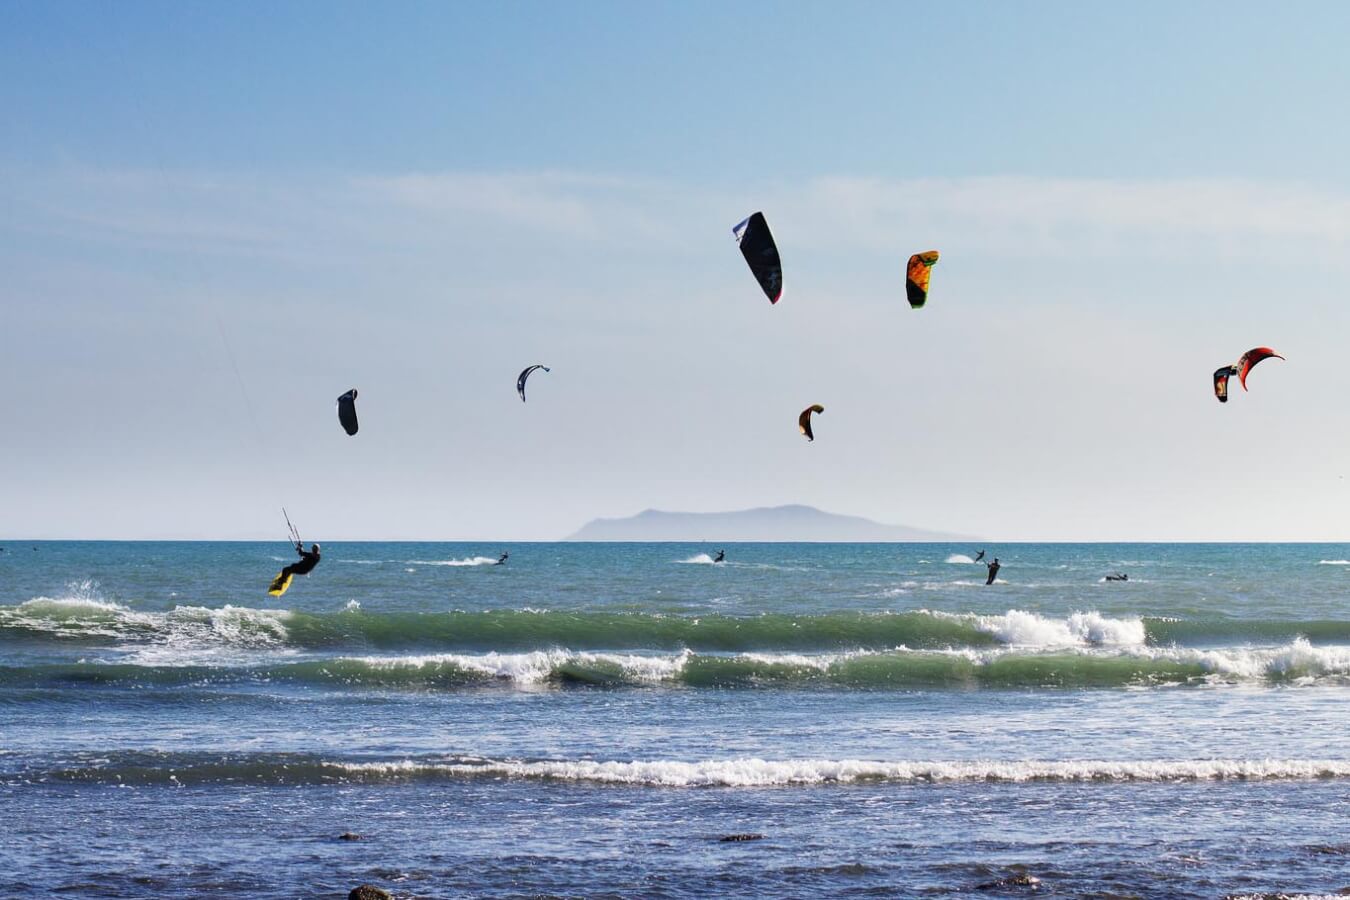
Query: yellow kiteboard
[280, 584]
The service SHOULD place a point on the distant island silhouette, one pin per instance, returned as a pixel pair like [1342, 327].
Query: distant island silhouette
[774, 523]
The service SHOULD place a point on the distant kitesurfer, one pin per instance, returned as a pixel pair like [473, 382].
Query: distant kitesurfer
[979, 556]
[501, 560]
[721, 556]
[1119, 576]
[993, 570]
[308, 560]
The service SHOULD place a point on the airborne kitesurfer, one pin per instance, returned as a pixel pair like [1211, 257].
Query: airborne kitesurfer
[308, 560]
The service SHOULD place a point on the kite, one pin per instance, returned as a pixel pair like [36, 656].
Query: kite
[520, 382]
[346, 406]
[761, 254]
[916, 277]
[1244, 365]
[804, 420]
[1221, 376]
[1250, 359]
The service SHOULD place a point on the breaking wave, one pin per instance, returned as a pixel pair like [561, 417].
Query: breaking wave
[82, 617]
[181, 769]
[901, 668]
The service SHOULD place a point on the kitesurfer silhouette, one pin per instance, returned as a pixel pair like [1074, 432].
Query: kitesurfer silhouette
[721, 556]
[979, 556]
[308, 560]
[501, 560]
[993, 570]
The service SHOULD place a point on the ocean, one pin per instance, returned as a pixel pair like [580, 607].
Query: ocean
[598, 719]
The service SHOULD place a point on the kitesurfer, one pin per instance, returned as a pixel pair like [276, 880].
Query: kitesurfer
[501, 560]
[308, 560]
[1119, 576]
[979, 556]
[993, 570]
[721, 556]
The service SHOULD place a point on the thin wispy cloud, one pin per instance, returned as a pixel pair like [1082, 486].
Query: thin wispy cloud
[237, 213]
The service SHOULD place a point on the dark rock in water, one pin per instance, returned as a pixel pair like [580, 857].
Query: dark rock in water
[1020, 880]
[369, 892]
[349, 836]
[729, 838]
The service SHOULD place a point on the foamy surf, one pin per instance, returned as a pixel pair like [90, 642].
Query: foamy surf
[522, 669]
[466, 561]
[89, 617]
[753, 772]
[1298, 663]
[1028, 629]
[959, 559]
[735, 772]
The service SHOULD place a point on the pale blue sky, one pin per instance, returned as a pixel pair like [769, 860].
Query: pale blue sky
[426, 198]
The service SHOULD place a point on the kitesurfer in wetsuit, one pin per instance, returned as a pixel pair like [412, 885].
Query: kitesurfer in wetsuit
[993, 570]
[1118, 577]
[721, 556]
[501, 560]
[979, 556]
[308, 560]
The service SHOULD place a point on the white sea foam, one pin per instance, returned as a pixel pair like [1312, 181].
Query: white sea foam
[754, 772]
[536, 666]
[83, 613]
[199, 635]
[1333, 562]
[820, 662]
[960, 559]
[1027, 629]
[466, 561]
[1298, 659]
[698, 559]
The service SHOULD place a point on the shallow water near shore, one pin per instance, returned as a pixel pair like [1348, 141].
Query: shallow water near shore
[593, 718]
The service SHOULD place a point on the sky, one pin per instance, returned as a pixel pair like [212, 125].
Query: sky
[214, 219]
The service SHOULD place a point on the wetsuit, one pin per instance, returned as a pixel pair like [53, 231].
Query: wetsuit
[993, 571]
[308, 560]
[502, 560]
[979, 556]
[721, 556]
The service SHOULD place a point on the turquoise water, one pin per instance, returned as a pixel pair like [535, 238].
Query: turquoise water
[593, 718]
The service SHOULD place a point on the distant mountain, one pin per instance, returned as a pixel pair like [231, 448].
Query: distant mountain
[775, 523]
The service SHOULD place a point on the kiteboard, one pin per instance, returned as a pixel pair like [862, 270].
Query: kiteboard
[280, 584]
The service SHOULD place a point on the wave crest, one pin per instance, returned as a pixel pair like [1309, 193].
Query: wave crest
[737, 772]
